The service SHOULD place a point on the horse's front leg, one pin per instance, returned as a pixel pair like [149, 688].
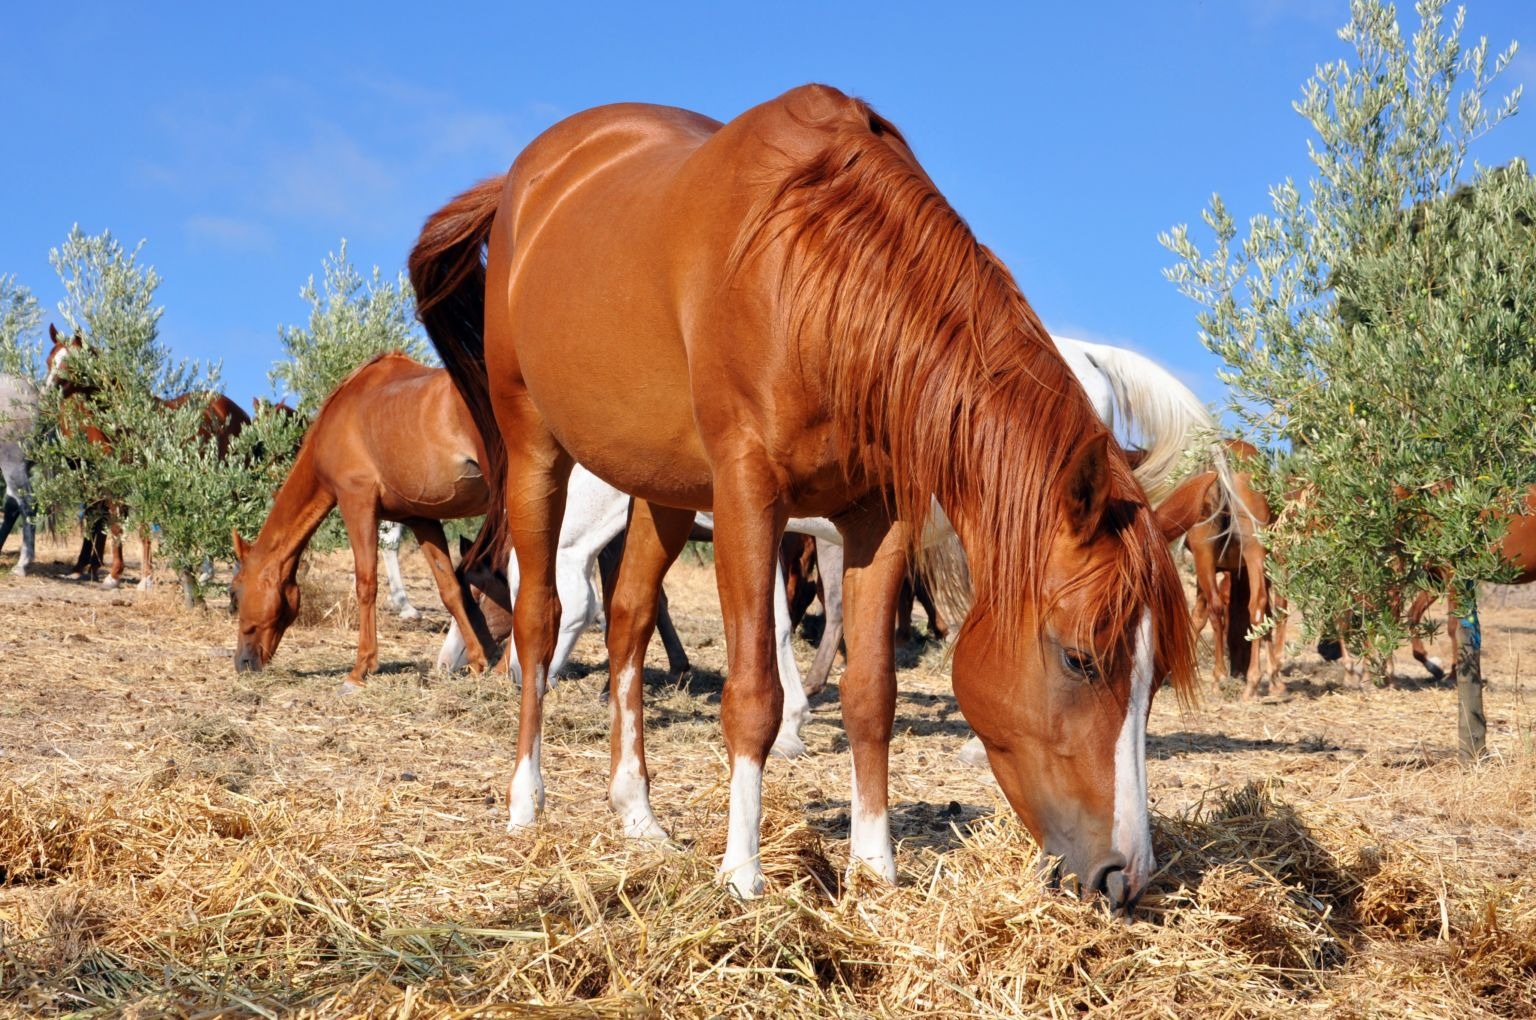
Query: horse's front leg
[115, 575]
[656, 536]
[874, 568]
[796, 705]
[749, 518]
[146, 561]
[362, 520]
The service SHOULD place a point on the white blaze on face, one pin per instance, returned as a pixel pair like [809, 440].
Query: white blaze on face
[1132, 834]
[55, 371]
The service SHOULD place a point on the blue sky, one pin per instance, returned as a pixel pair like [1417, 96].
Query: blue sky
[243, 141]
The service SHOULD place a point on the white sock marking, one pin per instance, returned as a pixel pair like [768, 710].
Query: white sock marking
[869, 834]
[741, 869]
[525, 799]
[628, 790]
[1132, 834]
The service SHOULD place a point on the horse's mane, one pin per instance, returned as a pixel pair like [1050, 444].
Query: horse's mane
[943, 383]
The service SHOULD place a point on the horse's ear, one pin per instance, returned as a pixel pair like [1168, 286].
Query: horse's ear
[53, 332]
[1087, 488]
[242, 547]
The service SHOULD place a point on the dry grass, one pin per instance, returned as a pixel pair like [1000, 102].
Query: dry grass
[178, 840]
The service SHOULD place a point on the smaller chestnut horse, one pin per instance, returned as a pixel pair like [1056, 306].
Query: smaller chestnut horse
[1227, 541]
[222, 421]
[393, 440]
[1517, 548]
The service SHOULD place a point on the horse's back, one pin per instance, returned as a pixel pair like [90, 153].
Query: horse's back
[404, 425]
[613, 242]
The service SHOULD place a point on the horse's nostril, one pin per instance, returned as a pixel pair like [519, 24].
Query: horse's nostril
[1118, 888]
[1108, 875]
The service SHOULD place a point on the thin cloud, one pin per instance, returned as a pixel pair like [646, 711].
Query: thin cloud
[229, 233]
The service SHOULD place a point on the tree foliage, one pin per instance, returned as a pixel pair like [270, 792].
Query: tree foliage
[20, 338]
[1377, 328]
[351, 320]
[156, 471]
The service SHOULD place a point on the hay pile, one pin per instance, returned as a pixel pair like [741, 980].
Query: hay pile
[184, 897]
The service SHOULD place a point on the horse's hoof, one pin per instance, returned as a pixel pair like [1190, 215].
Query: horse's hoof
[974, 754]
[744, 881]
[410, 613]
[146, 584]
[349, 687]
[788, 746]
[1436, 669]
[110, 583]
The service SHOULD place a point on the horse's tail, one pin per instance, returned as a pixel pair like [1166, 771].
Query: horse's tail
[447, 269]
[1158, 411]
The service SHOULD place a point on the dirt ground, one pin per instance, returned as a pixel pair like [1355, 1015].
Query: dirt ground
[113, 697]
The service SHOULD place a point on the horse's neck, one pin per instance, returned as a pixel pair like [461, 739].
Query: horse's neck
[297, 512]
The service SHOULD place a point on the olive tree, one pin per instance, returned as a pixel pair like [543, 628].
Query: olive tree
[1376, 329]
[351, 319]
[20, 339]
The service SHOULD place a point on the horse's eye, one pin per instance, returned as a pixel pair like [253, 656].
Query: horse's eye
[1080, 663]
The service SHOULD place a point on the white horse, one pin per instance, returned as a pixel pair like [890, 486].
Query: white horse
[18, 416]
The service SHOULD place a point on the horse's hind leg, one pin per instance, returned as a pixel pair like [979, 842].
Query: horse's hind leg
[389, 540]
[829, 569]
[434, 546]
[1416, 611]
[362, 520]
[537, 474]
[656, 536]
[875, 566]
[146, 561]
[936, 623]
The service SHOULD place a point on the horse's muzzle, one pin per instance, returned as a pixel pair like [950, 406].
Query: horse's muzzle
[247, 660]
[1111, 879]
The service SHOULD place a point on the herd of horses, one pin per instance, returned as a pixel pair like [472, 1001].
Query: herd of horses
[656, 327]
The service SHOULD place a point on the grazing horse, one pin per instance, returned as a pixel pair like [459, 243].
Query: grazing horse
[18, 419]
[782, 315]
[222, 420]
[1223, 537]
[367, 455]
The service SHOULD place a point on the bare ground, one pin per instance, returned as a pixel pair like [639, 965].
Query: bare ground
[122, 712]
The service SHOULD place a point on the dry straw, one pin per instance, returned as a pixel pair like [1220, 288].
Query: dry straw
[192, 899]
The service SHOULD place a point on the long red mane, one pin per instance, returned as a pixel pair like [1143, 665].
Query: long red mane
[943, 382]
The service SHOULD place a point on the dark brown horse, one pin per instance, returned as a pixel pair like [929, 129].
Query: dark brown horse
[221, 422]
[782, 315]
[393, 440]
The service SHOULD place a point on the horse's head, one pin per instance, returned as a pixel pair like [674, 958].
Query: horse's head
[1060, 698]
[265, 597]
[58, 375]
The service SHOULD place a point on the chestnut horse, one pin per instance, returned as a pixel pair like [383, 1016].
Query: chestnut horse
[221, 422]
[367, 454]
[1517, 548]
[782, 315]
[1223, 537]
